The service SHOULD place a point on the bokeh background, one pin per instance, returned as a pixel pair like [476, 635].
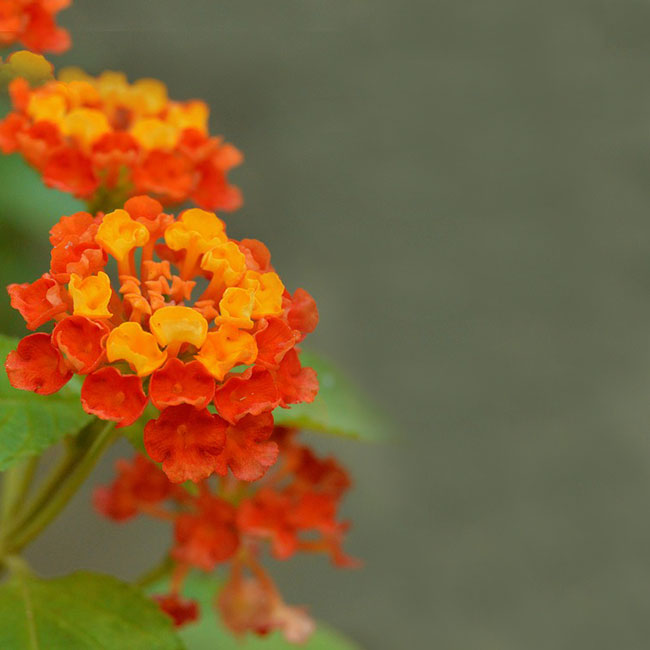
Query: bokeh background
[464, 186]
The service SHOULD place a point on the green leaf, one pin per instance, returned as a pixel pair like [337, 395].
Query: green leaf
[210, 634]
[27, 202]
[30, 423]
[340, 408]
[82, 611]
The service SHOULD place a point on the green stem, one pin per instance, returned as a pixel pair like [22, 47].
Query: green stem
[74, 453]
[10, 486]
[15, 485]
[57, 491]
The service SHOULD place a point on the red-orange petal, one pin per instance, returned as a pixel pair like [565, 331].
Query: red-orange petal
[77, 227]
[38, 142]
[274, 339]
[180, 610]
[207, 537]
[253, 392]
[187, 442]
[212, 191]
[181, 383]
[81, 340]
[10, 128]
[82, 258]
[295, 383]
[36, 365]
[138, 483]
[40, 32]
[268, 515]
[248, 451]
[167, 175]
[143, 207]
[69, 170]
[149, 213]
[110, 395]
[303, 313]
[323, 475]
[257, 254]
[39, 301]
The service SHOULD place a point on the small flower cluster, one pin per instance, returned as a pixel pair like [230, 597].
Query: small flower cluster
[293, 509]
[104, 140]
[196, 323]
[33, 23]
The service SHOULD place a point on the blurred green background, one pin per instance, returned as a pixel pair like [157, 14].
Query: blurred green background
[464, 186]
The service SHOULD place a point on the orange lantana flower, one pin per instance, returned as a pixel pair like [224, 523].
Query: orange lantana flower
[195, 322]
[33, 23]
[104, 139]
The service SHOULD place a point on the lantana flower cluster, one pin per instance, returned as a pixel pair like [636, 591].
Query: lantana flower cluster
[196, 323]
[104, 140]
[33, 23]
[169, 322]
[229, 524]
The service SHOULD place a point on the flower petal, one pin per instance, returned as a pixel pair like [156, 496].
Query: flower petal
[253, 392]
[187, 442]
[181, 383]
[81, 340]
[110, 395]
[248, 451]
[36, 365]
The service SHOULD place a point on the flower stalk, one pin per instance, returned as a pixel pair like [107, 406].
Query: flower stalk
[16, 482]
[80, 458]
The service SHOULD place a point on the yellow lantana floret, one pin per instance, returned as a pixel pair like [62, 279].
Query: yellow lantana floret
[152, 133]
[74, 73]
[226, 348]
[148, 96]
[138, 348]
[192, 115]
[236, 307]
[197, 231]
[268, 293]
[91, 295]
[47, 107]
[85, 124]
[81, 93]
[175, 325]
[227, 263]
[112, 86]
[118, 234]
